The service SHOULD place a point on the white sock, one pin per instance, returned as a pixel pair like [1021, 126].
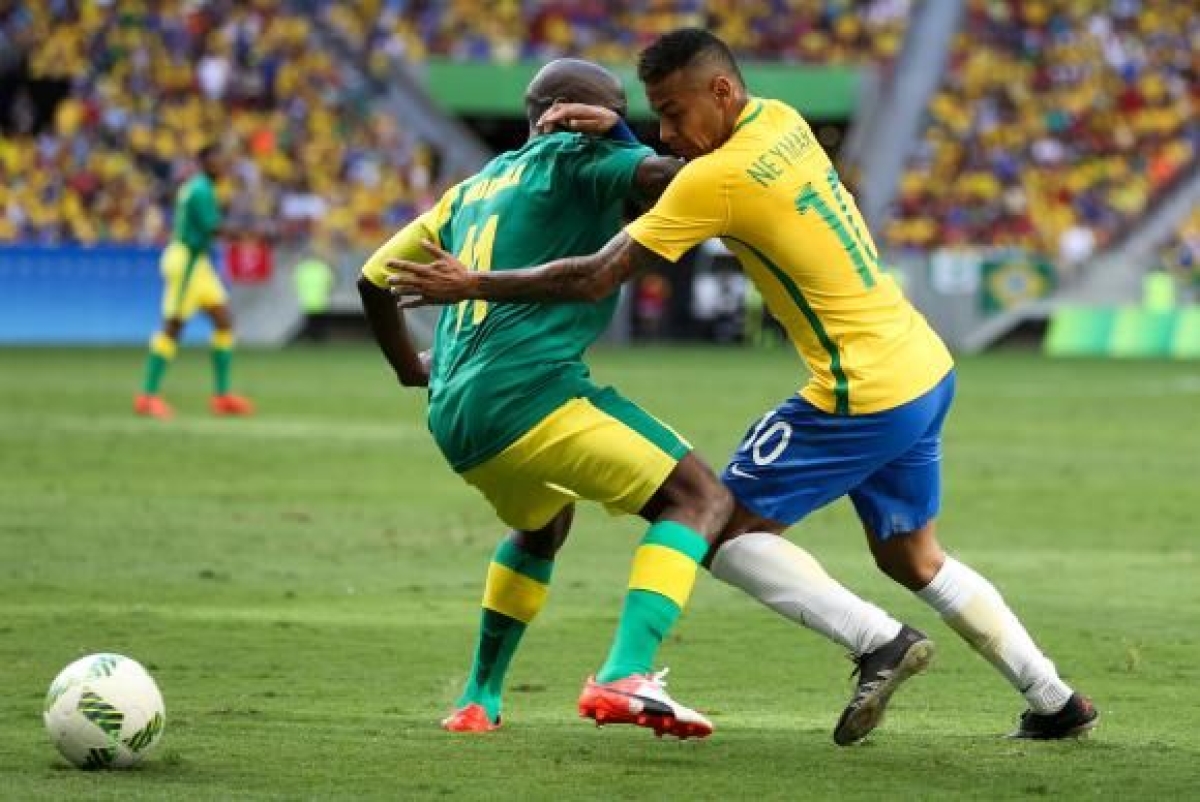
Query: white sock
[791, 582]
[975, 610]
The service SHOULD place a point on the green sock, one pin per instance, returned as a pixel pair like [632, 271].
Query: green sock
[222, 363]
[664, 571]
[515, 592]
[646, 619]
[499, 637]
[162, 351]
[156, 367]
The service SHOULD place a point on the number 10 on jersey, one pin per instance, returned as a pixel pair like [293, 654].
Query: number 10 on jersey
[844, 222]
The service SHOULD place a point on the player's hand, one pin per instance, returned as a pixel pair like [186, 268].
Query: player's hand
[577, 117]
[445, 280]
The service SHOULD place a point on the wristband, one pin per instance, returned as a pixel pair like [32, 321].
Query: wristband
[621, 132]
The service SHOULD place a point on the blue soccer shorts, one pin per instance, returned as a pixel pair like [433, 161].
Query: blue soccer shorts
[797, 458]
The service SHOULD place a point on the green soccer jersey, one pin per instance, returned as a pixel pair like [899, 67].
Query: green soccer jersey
[500, 368]
[197, 216]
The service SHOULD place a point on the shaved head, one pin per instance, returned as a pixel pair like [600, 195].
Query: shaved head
[572, 80]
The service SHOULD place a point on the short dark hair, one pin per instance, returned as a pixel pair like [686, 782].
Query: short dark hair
[211, 149]
[683, 48]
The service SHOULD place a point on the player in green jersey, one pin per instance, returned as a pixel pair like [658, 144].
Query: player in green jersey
[191, 284]
[514, 410]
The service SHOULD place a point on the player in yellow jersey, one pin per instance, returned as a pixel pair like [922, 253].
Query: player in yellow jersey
[866, 425]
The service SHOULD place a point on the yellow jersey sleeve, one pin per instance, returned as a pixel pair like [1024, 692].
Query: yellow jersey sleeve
[694, 208]
[802, 241]
[406, 243]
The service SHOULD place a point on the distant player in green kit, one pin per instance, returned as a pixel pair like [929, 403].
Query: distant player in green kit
[514, 411]
[191, 284]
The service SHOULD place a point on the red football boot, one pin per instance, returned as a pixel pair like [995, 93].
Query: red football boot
[230, 404]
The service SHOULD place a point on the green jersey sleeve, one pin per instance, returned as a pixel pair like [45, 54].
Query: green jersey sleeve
[606, 170]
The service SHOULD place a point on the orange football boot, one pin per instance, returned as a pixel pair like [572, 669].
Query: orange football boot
[472, 718]
[152, 406]
[641, 699]
[230, 404]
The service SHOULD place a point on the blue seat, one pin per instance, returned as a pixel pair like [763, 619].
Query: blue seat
[71, 295]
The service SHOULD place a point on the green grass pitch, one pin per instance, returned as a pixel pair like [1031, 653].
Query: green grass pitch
[304, 586]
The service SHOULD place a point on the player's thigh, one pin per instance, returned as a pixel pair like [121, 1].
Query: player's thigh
[797, 458]
[520, 499]
[620, 455]
[905, 494]
[603, 449]
[207, 290]
[188, 287]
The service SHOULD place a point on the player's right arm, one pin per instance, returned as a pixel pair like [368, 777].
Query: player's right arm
[694, 208]
[379, 305]
[652, 175]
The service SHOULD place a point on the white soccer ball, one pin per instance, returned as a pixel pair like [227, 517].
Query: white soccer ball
[104, 711]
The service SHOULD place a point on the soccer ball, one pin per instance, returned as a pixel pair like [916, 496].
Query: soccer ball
[104, 711]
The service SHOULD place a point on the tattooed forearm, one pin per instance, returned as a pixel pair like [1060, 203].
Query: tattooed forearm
[576, 278]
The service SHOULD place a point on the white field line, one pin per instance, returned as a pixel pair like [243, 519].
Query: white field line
[262, 427]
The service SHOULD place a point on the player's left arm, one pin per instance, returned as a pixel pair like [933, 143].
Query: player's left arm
[382, 312]
[206, 211]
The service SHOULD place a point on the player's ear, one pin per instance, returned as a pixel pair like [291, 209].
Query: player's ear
[721, 88]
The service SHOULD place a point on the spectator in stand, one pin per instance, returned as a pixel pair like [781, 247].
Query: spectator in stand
[148, 84]
[809, 31]
[1057, 126]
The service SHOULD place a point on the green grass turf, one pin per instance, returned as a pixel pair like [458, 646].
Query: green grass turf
[304, 585]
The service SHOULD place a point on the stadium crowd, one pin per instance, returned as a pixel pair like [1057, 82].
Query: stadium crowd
[614, 31]
[1057, 126]
[143, 85]
[1058, 123]
[146, 84]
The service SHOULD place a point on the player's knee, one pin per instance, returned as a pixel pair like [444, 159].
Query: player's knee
[715, 503]
[909, 559]
[546, 542]
[695, 496]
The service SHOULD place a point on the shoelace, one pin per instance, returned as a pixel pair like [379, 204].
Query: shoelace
[869, 687]
[659, 678]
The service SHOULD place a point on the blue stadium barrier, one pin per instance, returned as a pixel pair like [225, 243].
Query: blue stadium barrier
[70, 295]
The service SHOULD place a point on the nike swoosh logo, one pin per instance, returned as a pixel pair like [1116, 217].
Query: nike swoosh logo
[736, 471]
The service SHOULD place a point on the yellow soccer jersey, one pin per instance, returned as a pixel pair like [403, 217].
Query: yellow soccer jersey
[774, 198]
